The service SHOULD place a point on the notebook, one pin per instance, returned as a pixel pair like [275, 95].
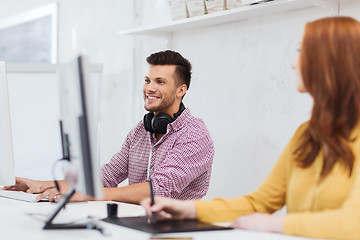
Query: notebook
[141, 223]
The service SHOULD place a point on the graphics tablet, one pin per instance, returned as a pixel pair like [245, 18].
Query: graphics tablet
[141, 223]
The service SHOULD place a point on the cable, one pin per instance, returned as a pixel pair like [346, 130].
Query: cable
[33, 215]
[54, 174]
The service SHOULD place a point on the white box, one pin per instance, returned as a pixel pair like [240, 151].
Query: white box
[178, 9]
[195, 7]
[231, 4]
[214, 6]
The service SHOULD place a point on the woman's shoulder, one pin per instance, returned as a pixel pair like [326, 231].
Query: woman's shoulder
[301, 129]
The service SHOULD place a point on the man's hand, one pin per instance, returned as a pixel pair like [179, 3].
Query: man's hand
[53, 195]
[260, 222]
[30, 186]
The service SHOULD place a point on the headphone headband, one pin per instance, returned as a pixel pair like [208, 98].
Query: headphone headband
[181, 109]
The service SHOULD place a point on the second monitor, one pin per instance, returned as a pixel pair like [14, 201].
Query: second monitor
[7, 176]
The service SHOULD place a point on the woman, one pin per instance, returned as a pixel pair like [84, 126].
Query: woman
[317, 174]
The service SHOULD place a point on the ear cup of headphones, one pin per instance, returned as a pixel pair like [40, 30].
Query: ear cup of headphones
[147, 122]
[160, 121]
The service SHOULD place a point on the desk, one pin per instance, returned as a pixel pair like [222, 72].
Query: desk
[16, 223]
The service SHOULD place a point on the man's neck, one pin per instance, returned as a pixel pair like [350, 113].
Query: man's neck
[158, 136]
[171, 110]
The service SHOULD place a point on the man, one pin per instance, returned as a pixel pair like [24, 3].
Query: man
[170, 146]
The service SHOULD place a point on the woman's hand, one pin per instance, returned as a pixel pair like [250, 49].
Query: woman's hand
[260, 222]
[30, 186]
[170, 209]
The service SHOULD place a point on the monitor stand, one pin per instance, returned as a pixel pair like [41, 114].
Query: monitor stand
[60, 205]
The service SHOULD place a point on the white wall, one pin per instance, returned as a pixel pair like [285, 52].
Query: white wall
[243, 86]
[244, 89]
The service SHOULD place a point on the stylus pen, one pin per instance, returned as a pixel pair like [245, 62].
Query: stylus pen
[152, 218]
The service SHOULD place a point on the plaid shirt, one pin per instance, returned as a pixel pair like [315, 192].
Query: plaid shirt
[180, 162]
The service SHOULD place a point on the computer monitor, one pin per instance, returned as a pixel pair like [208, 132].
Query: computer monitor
[7, 175]
[79, 117]
[79, 121]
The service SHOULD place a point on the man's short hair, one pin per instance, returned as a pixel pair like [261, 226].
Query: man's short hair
[168, 57]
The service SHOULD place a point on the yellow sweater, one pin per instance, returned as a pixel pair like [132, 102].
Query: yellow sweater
[326, 209]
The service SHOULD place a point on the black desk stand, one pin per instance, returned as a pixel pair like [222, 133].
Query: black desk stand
[60, 205]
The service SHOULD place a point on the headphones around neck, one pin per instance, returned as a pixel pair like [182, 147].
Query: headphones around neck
[158, 123]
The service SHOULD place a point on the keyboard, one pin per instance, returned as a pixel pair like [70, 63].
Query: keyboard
[19, 195]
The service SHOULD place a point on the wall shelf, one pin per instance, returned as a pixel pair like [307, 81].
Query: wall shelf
[233, 15]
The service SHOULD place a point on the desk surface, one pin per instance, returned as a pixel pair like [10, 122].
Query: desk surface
[22, 220]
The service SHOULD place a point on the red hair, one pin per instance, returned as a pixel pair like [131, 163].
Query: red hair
[330, 70]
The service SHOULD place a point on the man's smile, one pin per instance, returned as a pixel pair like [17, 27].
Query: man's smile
[151, 98]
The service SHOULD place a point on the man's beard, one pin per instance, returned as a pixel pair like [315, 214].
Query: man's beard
[163, 105]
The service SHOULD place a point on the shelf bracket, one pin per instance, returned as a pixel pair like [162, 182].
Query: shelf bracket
[332, 6]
